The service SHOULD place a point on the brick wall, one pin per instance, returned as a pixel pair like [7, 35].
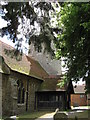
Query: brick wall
[78, 100]
[88, 99]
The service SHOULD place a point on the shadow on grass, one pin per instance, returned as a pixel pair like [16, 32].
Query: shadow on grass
[32, 115]
[85, 115]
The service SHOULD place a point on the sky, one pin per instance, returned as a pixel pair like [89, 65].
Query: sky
[5, 39]
[3, 23]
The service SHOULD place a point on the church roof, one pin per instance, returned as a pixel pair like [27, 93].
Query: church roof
[23, 64]
[51, 84]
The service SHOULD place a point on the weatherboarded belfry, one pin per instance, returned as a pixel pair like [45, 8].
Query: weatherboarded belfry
[51, 65]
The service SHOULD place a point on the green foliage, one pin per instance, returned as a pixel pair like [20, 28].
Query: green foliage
[74, 41]
[27, 15]
[63, 82]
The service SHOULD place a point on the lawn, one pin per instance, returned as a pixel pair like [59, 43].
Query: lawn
[79, 115]
[32, 115]
[72, 115]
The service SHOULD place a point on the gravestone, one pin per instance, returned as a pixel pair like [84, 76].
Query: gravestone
[60, 116]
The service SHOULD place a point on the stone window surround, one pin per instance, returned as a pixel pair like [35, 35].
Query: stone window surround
[20, 97]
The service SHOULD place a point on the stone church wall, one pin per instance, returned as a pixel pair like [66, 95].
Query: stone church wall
[6, 95]
[10, 93]
[0, 95]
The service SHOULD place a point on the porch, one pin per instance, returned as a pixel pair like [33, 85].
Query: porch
[50, 100]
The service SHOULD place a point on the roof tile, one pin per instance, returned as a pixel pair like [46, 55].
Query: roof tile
[26, 65]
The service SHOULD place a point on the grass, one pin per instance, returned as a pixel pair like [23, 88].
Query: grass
[79, 115]
[28, 115]
[32, 115]
[71, 116]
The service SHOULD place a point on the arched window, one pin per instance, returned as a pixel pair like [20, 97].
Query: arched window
[21, 92]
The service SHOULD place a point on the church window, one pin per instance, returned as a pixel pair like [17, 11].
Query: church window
[21, 92]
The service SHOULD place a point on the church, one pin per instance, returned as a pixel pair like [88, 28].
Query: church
[26, 86]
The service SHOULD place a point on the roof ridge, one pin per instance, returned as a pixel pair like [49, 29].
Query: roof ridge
[15, 49]
[23, 66]
[7, 44]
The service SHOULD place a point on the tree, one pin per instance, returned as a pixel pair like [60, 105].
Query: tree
[29, 20]
[73, 30]
[74, 40]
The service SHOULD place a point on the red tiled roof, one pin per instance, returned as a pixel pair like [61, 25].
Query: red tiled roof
[36, 69]
[26, 65]
[79, 89]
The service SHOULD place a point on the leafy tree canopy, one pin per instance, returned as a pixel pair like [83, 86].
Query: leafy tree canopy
[31, 21]
[74, 41]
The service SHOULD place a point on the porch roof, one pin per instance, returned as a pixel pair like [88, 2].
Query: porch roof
[50, 84]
